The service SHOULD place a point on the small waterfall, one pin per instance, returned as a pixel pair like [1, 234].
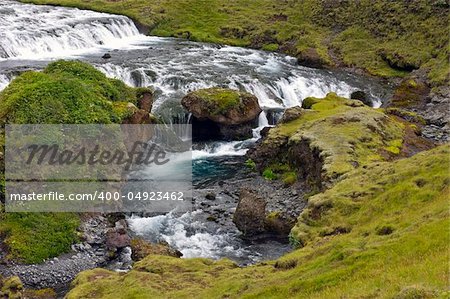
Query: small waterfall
[4, 81]
[53, 32]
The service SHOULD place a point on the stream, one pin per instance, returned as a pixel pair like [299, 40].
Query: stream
[32, 36]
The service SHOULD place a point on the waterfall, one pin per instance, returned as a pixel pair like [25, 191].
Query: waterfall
[53, 31]
[4, 81]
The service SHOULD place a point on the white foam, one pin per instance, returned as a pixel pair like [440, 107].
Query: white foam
[4, 81]
[184, 233]
[35, 32]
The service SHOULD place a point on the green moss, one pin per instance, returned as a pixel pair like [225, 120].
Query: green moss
[250, 164]
[309, 102]
[65, 92]
[347, 134]
[355, 263]
[270, 47]
[268, 174]
[289, 178]
[33, 237]
[223, 99]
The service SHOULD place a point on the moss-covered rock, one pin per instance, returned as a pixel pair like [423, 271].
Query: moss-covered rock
[220, 113]
[335, 136]
[70, 92]
[141, 249]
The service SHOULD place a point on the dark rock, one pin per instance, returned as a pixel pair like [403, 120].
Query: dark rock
[106, 56]
[291, 114]
[361, 96]
[210, 196]
[250, 213]
[311, 58]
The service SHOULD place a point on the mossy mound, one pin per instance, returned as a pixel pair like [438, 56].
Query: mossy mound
[221, 105]
[334, 137]
[222, 114]
[69, 92]
[344, 255]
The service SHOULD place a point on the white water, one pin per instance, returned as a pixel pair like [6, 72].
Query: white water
[4, 81]
[30, 31]
[185, 233]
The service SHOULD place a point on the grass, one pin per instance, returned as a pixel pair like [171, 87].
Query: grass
[378, 233]
[385, 38]
[34, 237]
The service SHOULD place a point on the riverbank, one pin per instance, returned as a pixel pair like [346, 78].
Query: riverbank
[384, 38]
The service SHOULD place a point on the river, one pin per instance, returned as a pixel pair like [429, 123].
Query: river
[32, 36]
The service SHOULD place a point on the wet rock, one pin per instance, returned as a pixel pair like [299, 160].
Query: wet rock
[250, 213]
[291, 114]
[311, 58]
[210, 196]
[106, 56]
[361, 96]
[222, 114]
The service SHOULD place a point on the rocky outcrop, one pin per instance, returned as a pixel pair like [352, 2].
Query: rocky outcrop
[291, 114]
[415, 95]
[222, 113]
[141, 249]
[361, 96]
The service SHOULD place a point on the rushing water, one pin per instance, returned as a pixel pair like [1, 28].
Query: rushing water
[32, 36]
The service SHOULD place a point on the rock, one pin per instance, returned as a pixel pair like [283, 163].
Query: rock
[250, 213]
[116, 239]
[291, 113]
[141, 249]
[309, 102]
[106, 56]
[222, 114]
[210, 196]
[311, 58]
[145, 99]
[361, 96]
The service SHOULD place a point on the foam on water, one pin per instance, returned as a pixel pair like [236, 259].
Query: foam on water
[190, 236]
[30, 31]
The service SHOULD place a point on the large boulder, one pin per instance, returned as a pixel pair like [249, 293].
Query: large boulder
[222, 114]
[250, 213]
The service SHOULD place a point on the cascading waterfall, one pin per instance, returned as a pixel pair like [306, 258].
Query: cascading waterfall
[4, 81]
[42, 31]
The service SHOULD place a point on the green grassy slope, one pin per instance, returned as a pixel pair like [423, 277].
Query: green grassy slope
[381, 232]
[385, 38]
